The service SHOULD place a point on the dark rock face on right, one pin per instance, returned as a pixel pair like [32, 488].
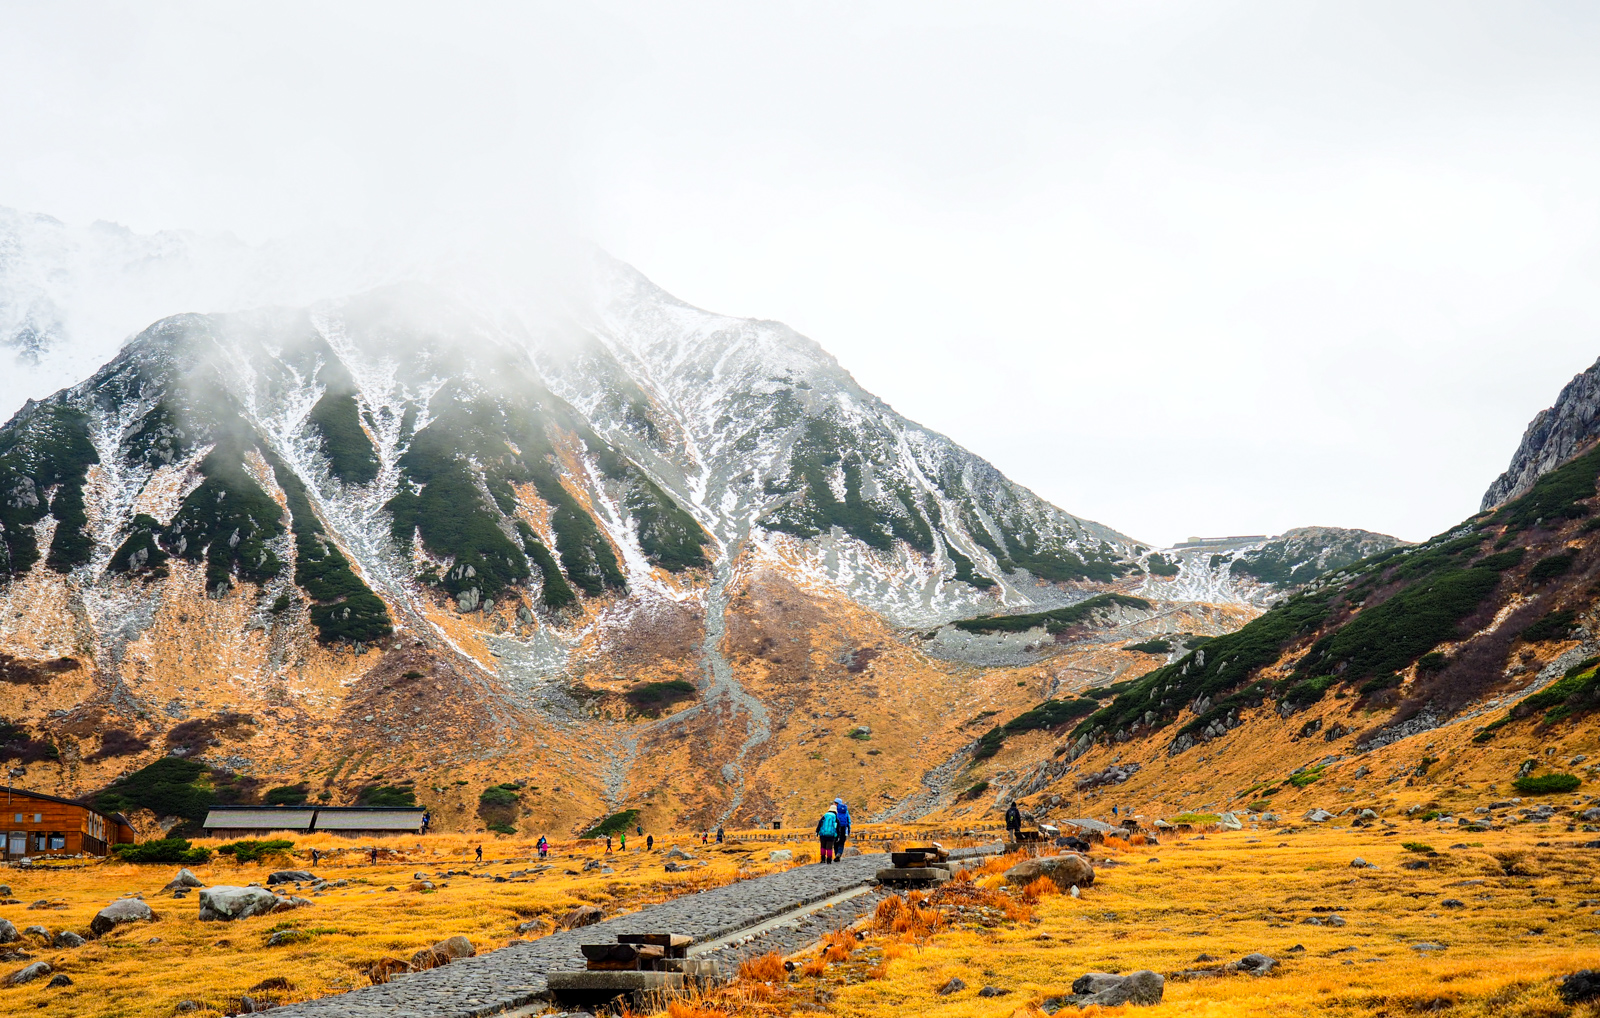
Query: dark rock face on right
[1554, 436]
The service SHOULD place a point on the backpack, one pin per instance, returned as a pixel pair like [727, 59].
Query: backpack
[830, 824]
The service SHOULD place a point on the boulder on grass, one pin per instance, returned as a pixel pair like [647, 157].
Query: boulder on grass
[66, 938]
[781, 855]
[1067, 870]
[124, 910]
[290, 877]
[1580, 986]
[183, 879]
[8, 932]
[583, 915]
[29, 974]
[1141, 989]
[223, 903]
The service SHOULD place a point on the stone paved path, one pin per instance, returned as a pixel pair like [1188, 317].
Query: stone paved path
[513, 976]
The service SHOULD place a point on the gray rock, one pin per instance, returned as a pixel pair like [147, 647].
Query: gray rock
[66, 938]
[1428, 946]
[1318, 816]
[1067, 870]
[37, 931]
[5, 890]
[1231, 823]
[184, 879]
[1257, 964]
[992, 991]
[289, 877]
[28, 974]
[781, 855]
[8, 932]
[1359, 863]
[1452, 903]
[60, 979]
[125, 910]
[223, 903]
[186, 1005]
[955, 985]
[1580, 986]
[1590, 816]
[283, 938]
[674, 867]
[1142, 988]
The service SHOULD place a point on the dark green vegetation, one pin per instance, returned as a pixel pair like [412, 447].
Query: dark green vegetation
[989, 744]
[1214, 670]
[498, 806]
[1554, 626]
[1197, 641]
[1151, 647]
[1309, 775]
[140, 553]
[1552, 566]
[616, 823]
[46, 446]
[1161, 567]
[975, 789]
[818, 509]
[653, 696]
[1554, 497]
[1576, 692]
[343, 608]
[337, 417]
[1546, 784]
[964, 569]
[556, 594]
[1054, 621]
[255, 851]
[668, 535]
[17, 744]
[1390, 636]
[172, 787]
[287, 795]
[167, 850]
[227, 520]
[386, 796]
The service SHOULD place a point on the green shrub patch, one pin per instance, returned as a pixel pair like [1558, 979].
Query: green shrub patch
[1054, 621]
[255, 851]
[616, 823]
[1546, 784]
[166, 850]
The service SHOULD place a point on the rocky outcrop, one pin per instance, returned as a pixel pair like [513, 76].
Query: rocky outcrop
[1115, 774]
[127, 910]
[1554, 436]
[1143, 988]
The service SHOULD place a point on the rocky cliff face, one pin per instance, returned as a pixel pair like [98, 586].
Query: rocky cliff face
[1554, 436]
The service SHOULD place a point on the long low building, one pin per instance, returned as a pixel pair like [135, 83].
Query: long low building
[37, 824]
[349, 821]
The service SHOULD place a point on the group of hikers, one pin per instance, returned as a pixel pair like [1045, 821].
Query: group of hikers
[832, 830]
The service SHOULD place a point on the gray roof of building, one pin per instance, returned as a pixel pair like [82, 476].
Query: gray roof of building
[369, 819]
[271, 819]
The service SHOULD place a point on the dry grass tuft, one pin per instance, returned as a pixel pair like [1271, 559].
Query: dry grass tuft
[768, 968]
[814, 967]
[693, 1009]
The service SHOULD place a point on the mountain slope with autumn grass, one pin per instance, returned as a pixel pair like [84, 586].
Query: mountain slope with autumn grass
[1459, 665]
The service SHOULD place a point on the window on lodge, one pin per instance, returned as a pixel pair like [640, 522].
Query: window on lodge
[49, 842]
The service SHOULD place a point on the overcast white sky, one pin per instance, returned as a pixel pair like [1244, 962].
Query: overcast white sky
[1180, 268]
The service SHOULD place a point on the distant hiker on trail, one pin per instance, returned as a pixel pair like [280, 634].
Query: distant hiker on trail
[844, 829]
[650, 843]
[608, 844]
[544, 847]
[624, 837]
[480, 853]
[719, 834]
[316, 857]
[374, 855]
[1014, 822]
[703, 836]
[427, 818]
[1113, 812]
[827, 831]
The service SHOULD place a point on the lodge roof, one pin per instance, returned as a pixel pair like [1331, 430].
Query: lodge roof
[118, 817]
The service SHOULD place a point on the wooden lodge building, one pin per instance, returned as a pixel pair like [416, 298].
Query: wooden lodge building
[346, 821]
[36, 824]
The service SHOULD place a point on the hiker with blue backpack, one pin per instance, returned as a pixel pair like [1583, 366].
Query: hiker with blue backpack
[844, 829]
[827, 831]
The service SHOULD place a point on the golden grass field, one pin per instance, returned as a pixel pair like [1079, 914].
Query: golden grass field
[1222, 894]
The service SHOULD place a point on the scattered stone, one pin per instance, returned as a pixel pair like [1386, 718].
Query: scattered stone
[675, 867]
[292, 902]
[1295, 948]
[66, 938]
[5, 890]
[125, 910]
[283, 938]
[28, 974]
[1452, 903]
[1138, 988]
[1318, 816]
[1580, 986]
[677, 853]
[8, 932]
[1332, 920]
[781, 855]
[187, 1005]
[1428, 946]
[992, 991]
[1069, 870]
[955, 985]
[1359, 863]
[531, 926]
[1254, 964]
[60, 979]
[183, 880]
[37, 931]
[1230, 822]
[592, 864]
[287, 877]
[1202, 956]
[223, 904]
[583, 915]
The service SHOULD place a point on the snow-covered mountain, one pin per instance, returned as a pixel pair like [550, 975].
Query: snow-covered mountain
[257, 509]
